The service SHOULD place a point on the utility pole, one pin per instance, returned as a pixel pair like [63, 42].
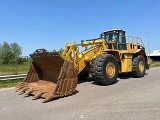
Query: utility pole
[148, 42]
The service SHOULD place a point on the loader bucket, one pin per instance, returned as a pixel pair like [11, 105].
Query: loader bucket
[50, 76]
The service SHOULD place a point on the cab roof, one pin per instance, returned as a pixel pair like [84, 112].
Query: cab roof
[115, 30]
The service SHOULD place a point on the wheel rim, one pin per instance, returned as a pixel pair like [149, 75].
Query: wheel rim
[141, 66]
[110, 69]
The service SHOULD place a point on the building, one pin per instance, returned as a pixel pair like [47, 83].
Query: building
[155, 55]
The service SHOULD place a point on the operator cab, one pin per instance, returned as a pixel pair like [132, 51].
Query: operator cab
[116, 36]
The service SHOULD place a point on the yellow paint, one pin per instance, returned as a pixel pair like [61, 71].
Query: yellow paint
[141, 66]
[126, 62]
[97, 47]
[110, 70]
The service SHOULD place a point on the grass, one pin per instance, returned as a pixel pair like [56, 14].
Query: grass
[9, 83]
[155, 64]
[14, 68]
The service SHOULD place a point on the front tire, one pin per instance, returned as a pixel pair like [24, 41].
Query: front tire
[138, 67]
[105, 69]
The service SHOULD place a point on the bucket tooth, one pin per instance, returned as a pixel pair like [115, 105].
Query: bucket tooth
[50, 97]
[21, 84]
[19, 88]
[20, 93]
[23, 89]
[29, 91]
[45, 95]
[38, 94]
[47, 99]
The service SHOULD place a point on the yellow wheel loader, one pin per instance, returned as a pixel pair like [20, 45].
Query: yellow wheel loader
[53, 75]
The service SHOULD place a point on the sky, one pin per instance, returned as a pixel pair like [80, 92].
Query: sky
[50, 24]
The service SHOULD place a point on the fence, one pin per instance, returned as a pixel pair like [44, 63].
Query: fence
[12, 77]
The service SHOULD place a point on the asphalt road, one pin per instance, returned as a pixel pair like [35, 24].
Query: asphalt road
[128, 99]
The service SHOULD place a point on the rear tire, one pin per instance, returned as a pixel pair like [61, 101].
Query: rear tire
[105, 69]
[138, 67]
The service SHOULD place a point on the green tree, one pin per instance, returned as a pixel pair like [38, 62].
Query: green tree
[6, 53]
[16, 52]
[54, 50]
[10, 53]
[61, 50]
